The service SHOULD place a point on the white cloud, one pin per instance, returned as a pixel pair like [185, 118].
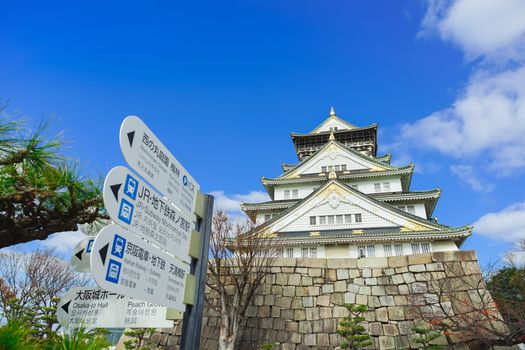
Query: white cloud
[491, 29]
[63, 242]
[231, 203]
[508, 224]
[467, 174]
[487, 120]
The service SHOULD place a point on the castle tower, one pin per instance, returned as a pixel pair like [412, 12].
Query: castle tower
[343, 201]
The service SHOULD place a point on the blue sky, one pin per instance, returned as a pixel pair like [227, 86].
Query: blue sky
[224, 83]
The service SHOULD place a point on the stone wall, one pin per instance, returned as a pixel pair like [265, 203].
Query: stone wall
[302, 300]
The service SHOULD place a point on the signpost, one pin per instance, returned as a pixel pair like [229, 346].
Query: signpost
[124, 263]
[146, 155]
[138, 207]
[82, 255]
[94, 307]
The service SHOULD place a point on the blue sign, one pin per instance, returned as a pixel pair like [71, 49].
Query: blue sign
[131, 187]
[125, 212]
[119, 244]
[89, 245]
[113, 271]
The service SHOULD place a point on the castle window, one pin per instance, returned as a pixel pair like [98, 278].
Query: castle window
[330, 219]
[312, 220]
[295, 193]
[377, 187]
[286, 194]
[361, 252]
[289, 252]
[279, 253]
[371, 250]
[355, 187]
[348, 218]
[323, 169]
[416, 249]
[337, 168]
[386, 186]
[313, 252]
[343, 167]
[402, 207]
[411, 209]
[398, 248]
[267, 217]
[304, 252]
[358, 218]
[339, 219]
[388, 249]
[322, 220]
[425, 247]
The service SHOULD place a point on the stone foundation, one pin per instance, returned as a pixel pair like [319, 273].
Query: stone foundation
[301, 302]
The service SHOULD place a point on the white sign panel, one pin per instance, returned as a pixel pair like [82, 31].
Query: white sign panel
[92, 307]
[123, 263]
[138, 207]
[153, 161]
[82, 254]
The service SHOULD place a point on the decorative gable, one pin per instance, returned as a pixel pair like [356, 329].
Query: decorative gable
[335, 206]
[336, 155]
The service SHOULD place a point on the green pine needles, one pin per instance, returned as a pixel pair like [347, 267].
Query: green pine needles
[352, 330]
[424, 336]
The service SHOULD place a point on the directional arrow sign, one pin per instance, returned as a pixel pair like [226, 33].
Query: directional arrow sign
[94, 307]
[82, 254]
[141, 209]
[124, 263]
[153, 161]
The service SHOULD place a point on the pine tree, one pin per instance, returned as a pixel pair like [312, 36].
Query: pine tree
[352, 330]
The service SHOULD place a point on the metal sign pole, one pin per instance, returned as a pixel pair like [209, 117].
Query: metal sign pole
[192, 320]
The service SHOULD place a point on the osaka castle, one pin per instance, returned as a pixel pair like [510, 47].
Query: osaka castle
[342, 200]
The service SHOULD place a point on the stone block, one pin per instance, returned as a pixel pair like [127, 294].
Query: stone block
[264, 311]
[349, 298]
[376, 329]
[361, 299]
[378, 290]
[371, 281]
[297, 303]
[284, 302]
[400, 300]
[354, 273]
[423, 276]
[405, 327]
[310, 339]
[401, 269]
[373, 301]
[289, 291]
[287, 314]
[417, 268]
[318, 262]
[308, 301]
[386, 342]
[396, 313]
[329, 326]
[435, 267]
[335, 340]
[323, 300]
[277, 290]
[391, 290]
[366, 273]
[377, 272]
[327, 288]
[323, 339]
[390, 329]
[269, 299]
[417, 259]
[337, 298]
[305, 327]
[276, 311]
[340, 286]
[372, 262]
[325, 312]
[296, 338]
[471, 267]
[288, 262]
[317, 326]
[313, 290]
[299, 315]
[408, 277]
[312, 313]
[382, 314]
[397, 261]
[301, 291]
[369, 316]
[340, 311]
[258, 300]
[294, 279]
[386, 300]
[419, 287]
[267, 323]
[389, 271]
[281, 279]
[359, 281]
[314, 272]
[342, 274]
[365, 290]
[306, 281]
[354, 288]
[292, 326]
[397, 279]
[287, 270]
[331, 275]
[346, 263]
[251, 311]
